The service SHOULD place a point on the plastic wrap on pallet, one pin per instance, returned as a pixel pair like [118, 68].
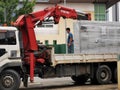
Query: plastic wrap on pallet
[96, 37]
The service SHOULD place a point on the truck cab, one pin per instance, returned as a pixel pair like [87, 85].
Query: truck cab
[10, 60]
[9, 41]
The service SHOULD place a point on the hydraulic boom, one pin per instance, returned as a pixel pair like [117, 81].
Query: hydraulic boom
[26, 24]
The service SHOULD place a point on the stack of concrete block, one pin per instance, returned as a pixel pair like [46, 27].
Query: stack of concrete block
[96, 37]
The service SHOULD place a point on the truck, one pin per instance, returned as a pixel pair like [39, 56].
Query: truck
[22, 57]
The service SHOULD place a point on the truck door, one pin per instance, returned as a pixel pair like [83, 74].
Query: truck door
[8, 43]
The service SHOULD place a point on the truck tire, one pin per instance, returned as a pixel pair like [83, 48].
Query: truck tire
[9, 80]
[103, 74]
[79, 79]
[114, 78]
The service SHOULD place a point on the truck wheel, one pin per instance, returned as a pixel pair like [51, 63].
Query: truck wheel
[114, 78]
[79, 79]
[103, 74]
[9, 80]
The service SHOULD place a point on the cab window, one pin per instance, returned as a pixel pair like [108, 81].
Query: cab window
[7, 37]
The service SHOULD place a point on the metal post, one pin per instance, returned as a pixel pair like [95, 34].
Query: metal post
[5, 15]
[31, 67]
[118, 62]
[65, 30]
[115, 12]
[64, 2]
[118, 70]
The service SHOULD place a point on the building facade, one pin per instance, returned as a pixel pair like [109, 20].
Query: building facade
[55, 35]
[113, 13]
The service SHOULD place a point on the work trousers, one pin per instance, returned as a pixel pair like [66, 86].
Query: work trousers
[71, 48]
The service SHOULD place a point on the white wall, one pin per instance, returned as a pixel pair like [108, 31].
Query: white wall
[119, 10]
[109, 16]
[78, 6]
[111, 12]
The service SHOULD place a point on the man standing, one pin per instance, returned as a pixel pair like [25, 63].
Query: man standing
[70, 41]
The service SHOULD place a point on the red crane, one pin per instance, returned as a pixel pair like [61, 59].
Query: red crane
[26, 24]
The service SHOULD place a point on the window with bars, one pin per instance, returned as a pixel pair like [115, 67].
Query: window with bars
[100, 14]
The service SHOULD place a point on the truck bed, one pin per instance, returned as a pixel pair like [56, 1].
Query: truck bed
[82, 58]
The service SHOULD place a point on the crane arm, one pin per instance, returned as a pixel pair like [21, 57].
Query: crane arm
[26, 24]
[56, 12]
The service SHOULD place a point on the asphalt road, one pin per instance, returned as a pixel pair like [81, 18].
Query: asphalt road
[64, 84]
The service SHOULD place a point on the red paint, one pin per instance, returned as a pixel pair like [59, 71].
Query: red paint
[32, 67]
[41, 60]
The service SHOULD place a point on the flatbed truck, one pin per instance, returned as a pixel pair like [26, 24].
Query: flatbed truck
[21, 57]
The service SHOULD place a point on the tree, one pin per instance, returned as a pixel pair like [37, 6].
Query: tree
[6, 9]
[27, 7]
[11, 9]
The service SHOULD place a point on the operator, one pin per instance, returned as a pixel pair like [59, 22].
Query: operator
[70, 41]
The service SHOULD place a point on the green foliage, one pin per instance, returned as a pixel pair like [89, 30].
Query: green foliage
[11, 9]
[1, 16]
[7, 9]
[27, 7]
